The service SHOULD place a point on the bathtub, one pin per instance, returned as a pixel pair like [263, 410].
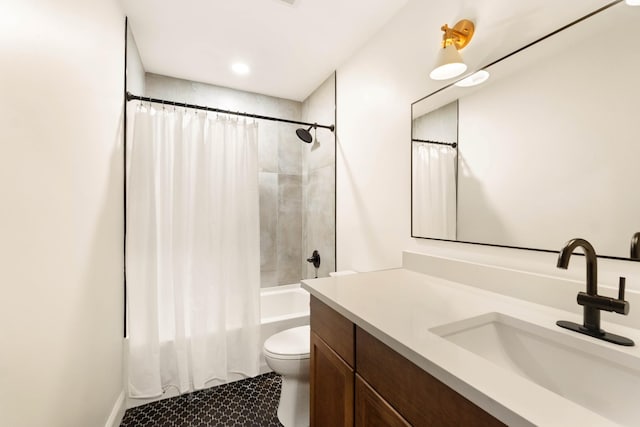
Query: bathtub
[281, 307]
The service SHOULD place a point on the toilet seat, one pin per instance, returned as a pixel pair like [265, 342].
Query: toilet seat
[291, 344]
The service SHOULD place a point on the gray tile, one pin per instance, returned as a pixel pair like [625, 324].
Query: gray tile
[291, 110]
[289, 194]
[268, 146]
[322, 152]
[289, 151]
[268, 220]
[319, 107]
[319, 207]
[268, 278]
[289, 238]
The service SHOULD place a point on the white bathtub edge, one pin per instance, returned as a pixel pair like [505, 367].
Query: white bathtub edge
[280, 288]
[274, 319]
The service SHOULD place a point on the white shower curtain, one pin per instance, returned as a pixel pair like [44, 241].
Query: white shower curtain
[434, 191]
[193, 251]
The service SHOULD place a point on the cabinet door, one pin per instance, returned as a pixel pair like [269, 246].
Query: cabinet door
[331, 387]
[372, 410]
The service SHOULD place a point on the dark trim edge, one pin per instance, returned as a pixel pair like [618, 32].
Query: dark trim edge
[124, 184]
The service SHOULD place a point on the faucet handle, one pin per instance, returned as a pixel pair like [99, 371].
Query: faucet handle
[601, 302]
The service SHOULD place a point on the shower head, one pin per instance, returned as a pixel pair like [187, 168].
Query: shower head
[304, 134]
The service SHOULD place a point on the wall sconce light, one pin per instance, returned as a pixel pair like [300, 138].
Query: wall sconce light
[449, 63]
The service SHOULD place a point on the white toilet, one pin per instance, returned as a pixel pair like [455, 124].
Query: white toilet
[287, 353]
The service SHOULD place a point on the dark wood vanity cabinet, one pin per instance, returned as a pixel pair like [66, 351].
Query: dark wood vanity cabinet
[358, 380]
[332, 367]
[331, 385]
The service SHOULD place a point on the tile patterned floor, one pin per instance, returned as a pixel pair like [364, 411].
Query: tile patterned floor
[251, 402]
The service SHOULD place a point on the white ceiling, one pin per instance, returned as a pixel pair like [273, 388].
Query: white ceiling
[291, 48]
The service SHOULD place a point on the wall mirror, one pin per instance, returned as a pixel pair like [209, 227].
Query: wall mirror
[547, 149]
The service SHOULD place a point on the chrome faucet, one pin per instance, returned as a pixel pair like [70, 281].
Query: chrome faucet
[592, 302]
[635, 246]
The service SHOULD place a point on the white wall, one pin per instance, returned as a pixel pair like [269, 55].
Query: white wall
[375, 90]
[61, 229]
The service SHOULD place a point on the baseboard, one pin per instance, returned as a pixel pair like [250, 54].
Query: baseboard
[117, 412]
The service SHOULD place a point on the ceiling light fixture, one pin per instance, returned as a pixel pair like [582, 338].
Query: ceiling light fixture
[474, 79]
[240, 68]
[632, 2]
[449, 63]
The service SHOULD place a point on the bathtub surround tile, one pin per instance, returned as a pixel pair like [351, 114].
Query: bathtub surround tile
[249, 402]
[289, 151]
[289, 234]
[162, 87]
[268, 220]
[322, 151]
[289, 194]
[268, 146]
[268, 278]
[319, 107]
[291, 110]
[320, 219]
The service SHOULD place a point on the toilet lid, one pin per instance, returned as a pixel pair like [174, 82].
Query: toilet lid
[290, 344]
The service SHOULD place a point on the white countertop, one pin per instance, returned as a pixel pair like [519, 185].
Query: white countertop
[399, 307]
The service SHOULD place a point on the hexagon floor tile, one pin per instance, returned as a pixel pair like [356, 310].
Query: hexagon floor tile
[250, 402]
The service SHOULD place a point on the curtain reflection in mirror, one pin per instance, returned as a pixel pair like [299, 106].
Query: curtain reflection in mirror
[434, 157]
[434, 189]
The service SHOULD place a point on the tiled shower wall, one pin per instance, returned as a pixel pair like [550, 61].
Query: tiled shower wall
[318, 178]
[284, 160]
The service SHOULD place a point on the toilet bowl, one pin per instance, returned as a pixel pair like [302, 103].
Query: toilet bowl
[287, 353]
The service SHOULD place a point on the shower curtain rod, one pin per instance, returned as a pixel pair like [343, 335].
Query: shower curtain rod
[132, 97]
[450, 144]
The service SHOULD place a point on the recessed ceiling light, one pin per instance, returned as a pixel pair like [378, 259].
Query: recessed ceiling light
[474, 79]
[240, 68]
[633, 2]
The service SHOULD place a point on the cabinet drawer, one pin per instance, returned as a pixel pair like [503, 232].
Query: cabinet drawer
[336, 330]
[420, 398]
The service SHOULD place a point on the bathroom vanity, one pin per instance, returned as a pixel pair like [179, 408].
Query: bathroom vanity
[406, 347]
[358, 380]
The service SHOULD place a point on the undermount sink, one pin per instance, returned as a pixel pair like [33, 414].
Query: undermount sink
[592, 375]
